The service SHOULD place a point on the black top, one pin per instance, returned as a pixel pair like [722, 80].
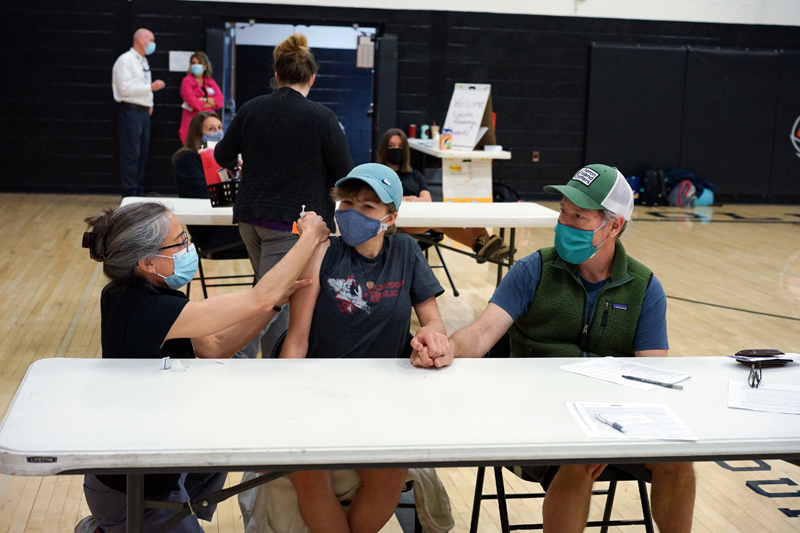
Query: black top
[293, 151]
[189, 176]
[134, 321]
[413, 182]
[135, 318]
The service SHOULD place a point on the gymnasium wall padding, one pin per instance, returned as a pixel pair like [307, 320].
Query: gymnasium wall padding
[635, 106]
[729, 118]
[785, 178]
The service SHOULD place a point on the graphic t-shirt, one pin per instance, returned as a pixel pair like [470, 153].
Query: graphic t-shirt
[355, 321]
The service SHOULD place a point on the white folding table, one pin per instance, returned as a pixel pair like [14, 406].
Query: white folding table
[412, 215]
[77, 416]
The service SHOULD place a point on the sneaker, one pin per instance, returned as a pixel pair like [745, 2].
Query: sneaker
[88, 525]
[501, 252]
[487, 247]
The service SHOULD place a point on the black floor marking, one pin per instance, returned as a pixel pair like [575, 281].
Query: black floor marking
[734, 308]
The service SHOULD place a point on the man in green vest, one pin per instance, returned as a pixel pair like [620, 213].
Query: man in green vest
[584, 297]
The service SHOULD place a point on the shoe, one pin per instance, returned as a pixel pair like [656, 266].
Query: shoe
[501, 252]
[88, 525]
[487, 247]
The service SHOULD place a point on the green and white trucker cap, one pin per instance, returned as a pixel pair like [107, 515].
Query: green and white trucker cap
[598, 187]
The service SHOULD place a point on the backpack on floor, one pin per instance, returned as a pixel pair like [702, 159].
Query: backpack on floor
[653, 189]
[682, 194]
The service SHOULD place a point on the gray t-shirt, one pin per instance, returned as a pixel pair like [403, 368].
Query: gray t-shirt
[353, 321]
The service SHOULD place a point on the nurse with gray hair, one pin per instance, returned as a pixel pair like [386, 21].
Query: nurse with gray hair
[147, 257]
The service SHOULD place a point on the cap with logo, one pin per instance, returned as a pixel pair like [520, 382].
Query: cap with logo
[382, 179]
[598, 187]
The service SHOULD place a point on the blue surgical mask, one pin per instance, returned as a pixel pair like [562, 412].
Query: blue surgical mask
[575, 245]
[185, 267]
[150, 48]
[197, 69]
[357, 228]
[214, 136]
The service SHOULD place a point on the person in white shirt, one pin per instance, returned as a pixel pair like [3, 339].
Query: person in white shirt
[133, 88]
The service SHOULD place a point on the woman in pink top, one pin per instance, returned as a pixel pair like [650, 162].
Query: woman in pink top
[199, 91]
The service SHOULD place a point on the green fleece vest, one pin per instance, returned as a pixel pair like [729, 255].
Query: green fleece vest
[559, 323]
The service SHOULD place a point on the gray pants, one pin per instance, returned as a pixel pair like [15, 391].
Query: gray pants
[266, 247]
[109, 507]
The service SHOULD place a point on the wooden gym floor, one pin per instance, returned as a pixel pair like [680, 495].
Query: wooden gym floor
[732, 275]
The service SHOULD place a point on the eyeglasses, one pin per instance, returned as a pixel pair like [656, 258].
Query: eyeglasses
[185, 243]
[754, 379]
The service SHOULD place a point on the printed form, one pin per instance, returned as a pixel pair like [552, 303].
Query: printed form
[638, 420]
[612, 369]
[770, 398]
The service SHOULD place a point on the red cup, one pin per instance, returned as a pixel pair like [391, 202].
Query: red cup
[412, 131]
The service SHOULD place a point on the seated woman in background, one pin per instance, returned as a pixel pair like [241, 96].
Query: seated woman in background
[147, 257]
[364, 287]
[204, 127]
[393, 151]
[199, 91]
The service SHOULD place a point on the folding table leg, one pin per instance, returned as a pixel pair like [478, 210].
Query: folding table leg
[135, 506]
[501, 499]
[476, 503]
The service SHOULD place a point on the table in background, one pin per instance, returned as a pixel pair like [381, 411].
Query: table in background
[412, 215]
[495, 412]
[457, 165]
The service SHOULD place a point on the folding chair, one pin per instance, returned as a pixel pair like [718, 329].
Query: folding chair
[610, 474]
[218, 244]
[430, 239]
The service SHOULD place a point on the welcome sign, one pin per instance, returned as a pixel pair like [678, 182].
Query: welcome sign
[470, 116]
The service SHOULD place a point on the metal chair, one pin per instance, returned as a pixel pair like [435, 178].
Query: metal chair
[218, 243]
[430, 239]
[610, 474]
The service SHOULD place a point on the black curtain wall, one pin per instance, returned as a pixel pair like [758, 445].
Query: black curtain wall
[60, 118]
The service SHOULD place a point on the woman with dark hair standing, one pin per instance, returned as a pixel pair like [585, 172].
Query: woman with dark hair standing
[147, 256]
[294, 151]
[199, 91]
[394, 152]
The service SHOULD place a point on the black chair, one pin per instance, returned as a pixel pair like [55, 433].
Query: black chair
[429, 239]
[610, 474]
[217, 244]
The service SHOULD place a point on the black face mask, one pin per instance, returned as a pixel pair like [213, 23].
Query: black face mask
[394, 156]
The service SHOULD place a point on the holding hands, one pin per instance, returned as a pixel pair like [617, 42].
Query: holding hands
[431, 349]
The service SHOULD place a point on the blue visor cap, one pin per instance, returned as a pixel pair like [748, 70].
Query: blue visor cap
[382, 179]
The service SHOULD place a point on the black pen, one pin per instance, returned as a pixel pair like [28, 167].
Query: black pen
[608, 422]
[654, 382]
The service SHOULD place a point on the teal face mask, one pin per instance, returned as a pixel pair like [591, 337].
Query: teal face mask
[197, 69]
[575, 245]
[150, 48]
